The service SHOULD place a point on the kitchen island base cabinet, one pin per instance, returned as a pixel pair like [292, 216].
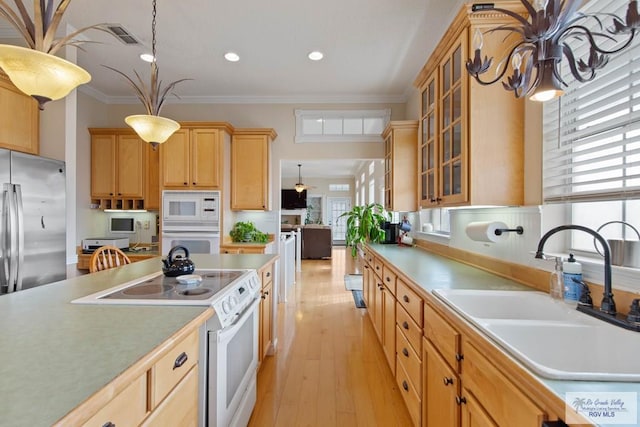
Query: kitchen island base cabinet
[265, 334]
[127, 408]
[179, 408]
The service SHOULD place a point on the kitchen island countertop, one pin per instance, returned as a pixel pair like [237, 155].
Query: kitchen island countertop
[56, 354]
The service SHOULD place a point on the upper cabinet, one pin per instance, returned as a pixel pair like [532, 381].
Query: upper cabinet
[470, 149]
[124, 170]
[19, 119]
[400, 139]
[192, 158]
[251, 169]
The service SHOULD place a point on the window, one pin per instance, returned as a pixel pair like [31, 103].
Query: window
[339, 187]
[592, 143]
[341, 125]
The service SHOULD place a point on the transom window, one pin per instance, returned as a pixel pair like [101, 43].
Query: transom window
[340, 125]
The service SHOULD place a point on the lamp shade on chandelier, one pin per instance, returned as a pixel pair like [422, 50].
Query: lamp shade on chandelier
[151, 127]
[35, 70]
[546, 41]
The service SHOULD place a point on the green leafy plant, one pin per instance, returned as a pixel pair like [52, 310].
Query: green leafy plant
[246, 231]
[364, 224]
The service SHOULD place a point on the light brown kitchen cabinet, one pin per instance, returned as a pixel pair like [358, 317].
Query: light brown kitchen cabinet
[389, 325]
[472, 413]
[119, 170]
[193, 157]
[441, 388]
[251, 169]
[471, 140]
[19, 119]
[400, 163]
[265, 335]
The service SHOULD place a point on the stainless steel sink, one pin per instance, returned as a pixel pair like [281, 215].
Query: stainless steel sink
[552, 339]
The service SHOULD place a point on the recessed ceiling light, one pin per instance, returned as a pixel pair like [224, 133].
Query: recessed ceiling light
[231, 57]
[146, 57]
[316, 55]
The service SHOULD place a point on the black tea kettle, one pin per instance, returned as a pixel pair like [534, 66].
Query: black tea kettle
[177, 266]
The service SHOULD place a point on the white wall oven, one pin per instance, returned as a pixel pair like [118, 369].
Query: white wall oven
[191, 219]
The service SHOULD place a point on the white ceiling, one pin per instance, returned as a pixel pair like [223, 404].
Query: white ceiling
[373, 49]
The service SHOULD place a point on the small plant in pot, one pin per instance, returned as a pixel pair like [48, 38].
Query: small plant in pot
[364, 224]
[246, 231]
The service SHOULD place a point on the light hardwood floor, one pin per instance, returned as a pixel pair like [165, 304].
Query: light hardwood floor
[329, 369]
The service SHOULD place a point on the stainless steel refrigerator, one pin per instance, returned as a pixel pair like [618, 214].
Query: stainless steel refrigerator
[33, 222]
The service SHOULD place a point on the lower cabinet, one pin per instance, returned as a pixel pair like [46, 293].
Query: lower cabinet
[441, 389]
[265, 334]
[473, 415]
[164, 393]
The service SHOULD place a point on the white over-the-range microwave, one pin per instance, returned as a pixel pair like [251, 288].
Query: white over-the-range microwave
[196, 210]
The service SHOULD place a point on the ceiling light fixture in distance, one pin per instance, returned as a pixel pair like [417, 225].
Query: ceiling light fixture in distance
[232, 57]
[316, 55]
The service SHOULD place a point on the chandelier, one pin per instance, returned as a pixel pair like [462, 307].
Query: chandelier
[151, 127]
[35, 70]
[300, 187]
[544, 42]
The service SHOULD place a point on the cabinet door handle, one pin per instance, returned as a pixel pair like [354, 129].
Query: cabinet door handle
[405, 352]
[405, 325]
[461, 400]
[459, 357]
[405, 298]
[263, 296]
[185, 183]
[388, 279]
[180, 360]
[268, 274]
[405, 386]
[194, 183]
[447, 381]
[108, 424]
[266, 293]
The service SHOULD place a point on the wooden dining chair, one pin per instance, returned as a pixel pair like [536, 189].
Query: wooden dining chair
[106, 257]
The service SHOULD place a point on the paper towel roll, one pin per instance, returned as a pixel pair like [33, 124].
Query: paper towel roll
[486, 231]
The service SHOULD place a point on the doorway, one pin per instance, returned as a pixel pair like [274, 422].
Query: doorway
[336, 207]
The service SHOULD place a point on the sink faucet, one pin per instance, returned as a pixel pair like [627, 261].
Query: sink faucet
[608, 305]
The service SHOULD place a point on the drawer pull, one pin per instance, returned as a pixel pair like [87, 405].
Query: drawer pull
[268, 274]
[180, 360]
[405, 325]
[377, 267]
[108, 424]
[461, 400]
[405, 298]
[405, 386]
[405, 352]
[448, 381]
[459, 357]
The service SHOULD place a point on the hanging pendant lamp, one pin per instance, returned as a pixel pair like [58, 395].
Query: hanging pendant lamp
[300, 187]
[35, 70]
[151, 127]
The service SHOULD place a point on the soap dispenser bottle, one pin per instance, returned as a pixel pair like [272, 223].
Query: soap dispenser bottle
[556, 284]
[572, 288]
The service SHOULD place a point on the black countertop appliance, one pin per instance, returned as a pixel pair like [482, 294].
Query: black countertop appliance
[390, 233]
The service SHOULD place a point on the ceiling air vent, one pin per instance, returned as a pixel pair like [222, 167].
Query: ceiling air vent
[120, 32]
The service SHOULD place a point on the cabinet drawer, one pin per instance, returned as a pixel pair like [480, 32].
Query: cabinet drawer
[409, 300]
[377, 267]
[173, 366]
[389, 279]
[443, 336]
[127, 408]
[409, 328]
[180, 408]
[409, 395]
[495, 393]
[410, 361]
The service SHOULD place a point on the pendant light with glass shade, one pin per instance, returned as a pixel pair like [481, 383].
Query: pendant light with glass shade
[151, 127]
[35, 70]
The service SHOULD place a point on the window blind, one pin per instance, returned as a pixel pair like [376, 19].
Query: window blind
[591, 135]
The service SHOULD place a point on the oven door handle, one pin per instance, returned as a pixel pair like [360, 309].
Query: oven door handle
[228, 332]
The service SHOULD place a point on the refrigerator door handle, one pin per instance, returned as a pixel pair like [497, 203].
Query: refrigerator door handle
[5, 255]
[12, 238]
[20, 236]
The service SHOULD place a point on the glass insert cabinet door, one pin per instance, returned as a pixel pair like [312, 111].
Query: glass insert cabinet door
[451, 160]
[428, 145]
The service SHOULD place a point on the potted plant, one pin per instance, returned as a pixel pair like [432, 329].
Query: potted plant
[246, 231]
[364, 224]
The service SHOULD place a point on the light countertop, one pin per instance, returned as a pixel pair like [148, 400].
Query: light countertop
[430, 271]
[56, 354]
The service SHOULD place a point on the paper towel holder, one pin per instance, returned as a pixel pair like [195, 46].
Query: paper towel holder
[518, 230]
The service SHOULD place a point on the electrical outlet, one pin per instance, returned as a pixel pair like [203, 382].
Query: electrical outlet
[147, 224]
